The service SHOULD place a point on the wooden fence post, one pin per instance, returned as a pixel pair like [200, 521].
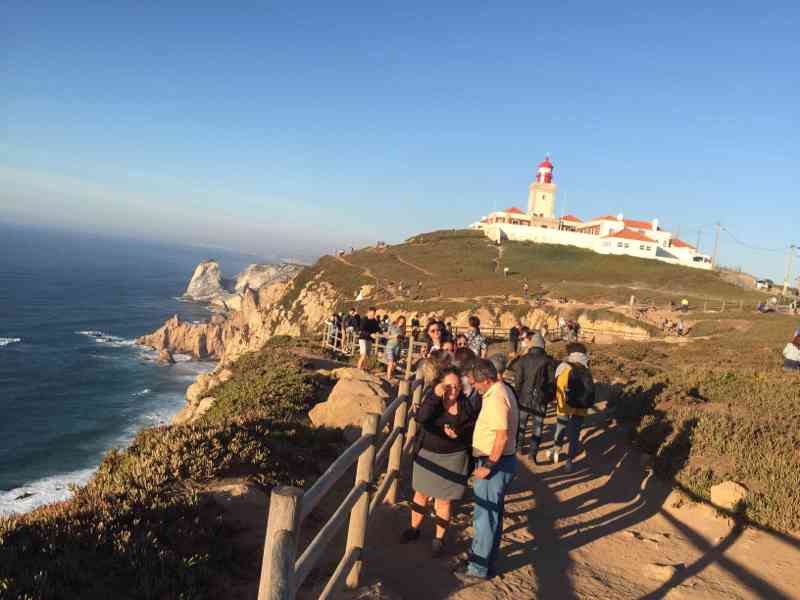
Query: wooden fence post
[741, 304]
[723, 306]
[284, 553]
[284, 513]
[416, 400]
[365, 471]
[410, 356]
[396, 451]
[705, 305]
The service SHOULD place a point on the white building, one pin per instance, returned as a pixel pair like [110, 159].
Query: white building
[606, 235]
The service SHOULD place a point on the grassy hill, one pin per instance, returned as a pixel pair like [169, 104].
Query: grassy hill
[462, 265]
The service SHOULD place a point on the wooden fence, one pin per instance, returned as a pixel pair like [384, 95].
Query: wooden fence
[384, 440]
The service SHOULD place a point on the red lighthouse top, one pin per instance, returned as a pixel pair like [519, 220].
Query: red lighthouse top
[544, 173]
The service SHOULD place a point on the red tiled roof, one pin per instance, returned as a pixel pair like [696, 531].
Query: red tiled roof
[629, 234]
[514, 210]
[681, 244]
[638, 224]
[606, 218]
[572, 218]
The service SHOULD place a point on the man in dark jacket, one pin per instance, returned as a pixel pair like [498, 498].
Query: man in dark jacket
[534, 382]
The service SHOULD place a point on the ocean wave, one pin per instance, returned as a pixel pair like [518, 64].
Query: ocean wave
[43, 491]
[143, 392]
[5, 341]
[106, 338]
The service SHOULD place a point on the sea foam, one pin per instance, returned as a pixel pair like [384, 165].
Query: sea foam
[42, 491]
[5, 341]
[106, 338]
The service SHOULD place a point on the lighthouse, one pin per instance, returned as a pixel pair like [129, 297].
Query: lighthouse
[542, 192]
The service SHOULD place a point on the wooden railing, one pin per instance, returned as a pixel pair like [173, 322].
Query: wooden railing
[282, 571]
[346, 342]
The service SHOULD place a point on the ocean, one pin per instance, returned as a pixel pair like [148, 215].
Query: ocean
[72, 382]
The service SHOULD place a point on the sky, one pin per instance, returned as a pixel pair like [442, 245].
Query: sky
[298, 128]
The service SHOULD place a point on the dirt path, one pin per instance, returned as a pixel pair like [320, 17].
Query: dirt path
[413, 266]
[364, 270]
[608, 530]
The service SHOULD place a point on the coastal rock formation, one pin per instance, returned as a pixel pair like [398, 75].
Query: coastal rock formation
[193, 411]
[262, 314]
[206, 283]
[165, 357]
[257, 276]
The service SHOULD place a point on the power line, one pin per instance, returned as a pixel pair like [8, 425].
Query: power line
[751, 246]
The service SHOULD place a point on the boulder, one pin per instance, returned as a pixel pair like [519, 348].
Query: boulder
[728, 495]
[661, 572]
[165, 357]
[355, 394]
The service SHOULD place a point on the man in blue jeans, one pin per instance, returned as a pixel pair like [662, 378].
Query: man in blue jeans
[494, 444]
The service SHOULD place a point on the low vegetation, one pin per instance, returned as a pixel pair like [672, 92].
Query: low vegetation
[142, 527]
[707, 425]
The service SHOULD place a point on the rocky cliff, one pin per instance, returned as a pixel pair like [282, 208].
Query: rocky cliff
[261, 314]
[208, 285]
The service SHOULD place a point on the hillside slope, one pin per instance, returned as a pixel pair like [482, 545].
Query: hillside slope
[465, 264]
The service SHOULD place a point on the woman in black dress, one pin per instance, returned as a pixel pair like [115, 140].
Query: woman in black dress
[441, 465]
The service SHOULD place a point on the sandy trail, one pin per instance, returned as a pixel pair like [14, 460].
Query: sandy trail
[610, 529]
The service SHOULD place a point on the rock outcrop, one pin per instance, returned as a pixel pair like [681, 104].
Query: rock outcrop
[206, 283]
[193, 411]
[355, 394]
[262, 314]
[257, 276]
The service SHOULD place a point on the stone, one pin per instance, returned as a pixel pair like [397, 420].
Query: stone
[661, 572]
[728, 495]
[349, 401]
[165, 357]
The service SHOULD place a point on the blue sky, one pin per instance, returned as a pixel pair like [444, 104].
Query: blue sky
[298, 127]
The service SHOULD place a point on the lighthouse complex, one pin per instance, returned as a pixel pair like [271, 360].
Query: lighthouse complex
[606, 234]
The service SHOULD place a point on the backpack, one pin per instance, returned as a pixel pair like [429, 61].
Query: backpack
[542, 391]
[580, 387]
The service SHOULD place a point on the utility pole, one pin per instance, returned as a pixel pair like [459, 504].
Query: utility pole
[716, 248]
[788, 276]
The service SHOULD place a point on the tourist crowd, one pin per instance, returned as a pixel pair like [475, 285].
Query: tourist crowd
[472, 425]
[472, 420]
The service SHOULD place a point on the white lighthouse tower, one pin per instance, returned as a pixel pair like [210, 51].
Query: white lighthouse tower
[542, 192]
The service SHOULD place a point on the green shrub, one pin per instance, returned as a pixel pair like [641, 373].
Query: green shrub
[270, 382]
